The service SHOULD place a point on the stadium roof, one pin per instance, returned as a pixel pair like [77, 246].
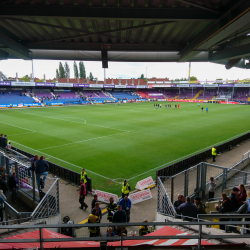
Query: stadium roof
[127, 30]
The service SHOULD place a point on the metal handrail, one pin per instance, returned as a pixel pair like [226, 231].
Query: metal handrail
[45, 197]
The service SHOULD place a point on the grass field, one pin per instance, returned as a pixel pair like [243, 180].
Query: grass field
[129, 141]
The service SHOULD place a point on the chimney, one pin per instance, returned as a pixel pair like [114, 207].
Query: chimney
[77, 79]
[112, 81]
[132, 81]
[17, 77]
[87, 80]
[1, 76]
[44, 78]
[126, 81]
[56, 77]
[138, 82]
[68, 78]
[96, 80]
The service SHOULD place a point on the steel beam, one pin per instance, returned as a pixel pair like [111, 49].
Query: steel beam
[107, 12]
[230, 22]
[13, 48]
[97, 47]
[237, 52]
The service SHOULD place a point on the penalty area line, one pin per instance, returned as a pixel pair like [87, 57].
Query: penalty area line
[50, 156]
[183, 157]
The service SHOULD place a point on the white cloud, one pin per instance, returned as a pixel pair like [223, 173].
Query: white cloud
[202, 71]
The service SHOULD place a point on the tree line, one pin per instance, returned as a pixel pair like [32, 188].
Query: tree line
[79, 71]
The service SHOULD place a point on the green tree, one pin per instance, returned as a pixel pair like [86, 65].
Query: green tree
[57, 74]
[193, 78]
[82, 71]
[25, 78]
[66, 70]
[75, 70]
[39, 80]
[61, 71]
[91, 77]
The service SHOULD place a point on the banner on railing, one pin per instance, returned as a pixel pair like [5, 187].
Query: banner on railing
[104, 196]
[144, 183]
[140, 196]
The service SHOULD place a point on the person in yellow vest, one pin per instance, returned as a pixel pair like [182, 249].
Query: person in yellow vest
[143, 229]
[125, 189]
[214, 153]
[83, 176]
[93, 218]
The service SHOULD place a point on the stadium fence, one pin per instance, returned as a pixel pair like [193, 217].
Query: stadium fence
[181, 165]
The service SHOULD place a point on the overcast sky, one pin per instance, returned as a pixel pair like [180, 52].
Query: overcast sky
[202, 71]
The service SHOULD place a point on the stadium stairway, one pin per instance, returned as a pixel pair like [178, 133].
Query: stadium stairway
[197, 95]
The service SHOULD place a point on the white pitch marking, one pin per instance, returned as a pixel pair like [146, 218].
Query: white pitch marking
[159, 167]
[66, 162]
[82, 141]
[22, 133]
[17, 127]
[79, 122]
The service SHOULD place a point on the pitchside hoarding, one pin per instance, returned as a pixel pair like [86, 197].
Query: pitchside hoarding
[140, 196]
[144, 183]
[104, 196]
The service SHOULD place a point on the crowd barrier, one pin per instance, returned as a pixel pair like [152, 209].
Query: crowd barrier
[184, 164]
[59, 171]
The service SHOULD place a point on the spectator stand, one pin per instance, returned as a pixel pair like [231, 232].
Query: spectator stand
[45, 204]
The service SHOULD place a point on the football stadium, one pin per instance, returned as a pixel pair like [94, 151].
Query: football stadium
[125, 162]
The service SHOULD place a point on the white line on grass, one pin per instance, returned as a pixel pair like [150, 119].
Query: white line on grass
[22, 133]
[82, 141]
[78, 122]
[159, 167]
[17, 126]
[66, 162]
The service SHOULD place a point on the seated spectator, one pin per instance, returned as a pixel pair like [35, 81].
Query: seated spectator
[143, 229]
[201, 207]
[188, 210]
[242, 193]
[9, 145]
[13, 184]
[179, 201]
[110, 232]
[226, 206]
[41, 169]
[248, 209]
[124, 231]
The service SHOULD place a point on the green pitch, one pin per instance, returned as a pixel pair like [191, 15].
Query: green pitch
[128, 141]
